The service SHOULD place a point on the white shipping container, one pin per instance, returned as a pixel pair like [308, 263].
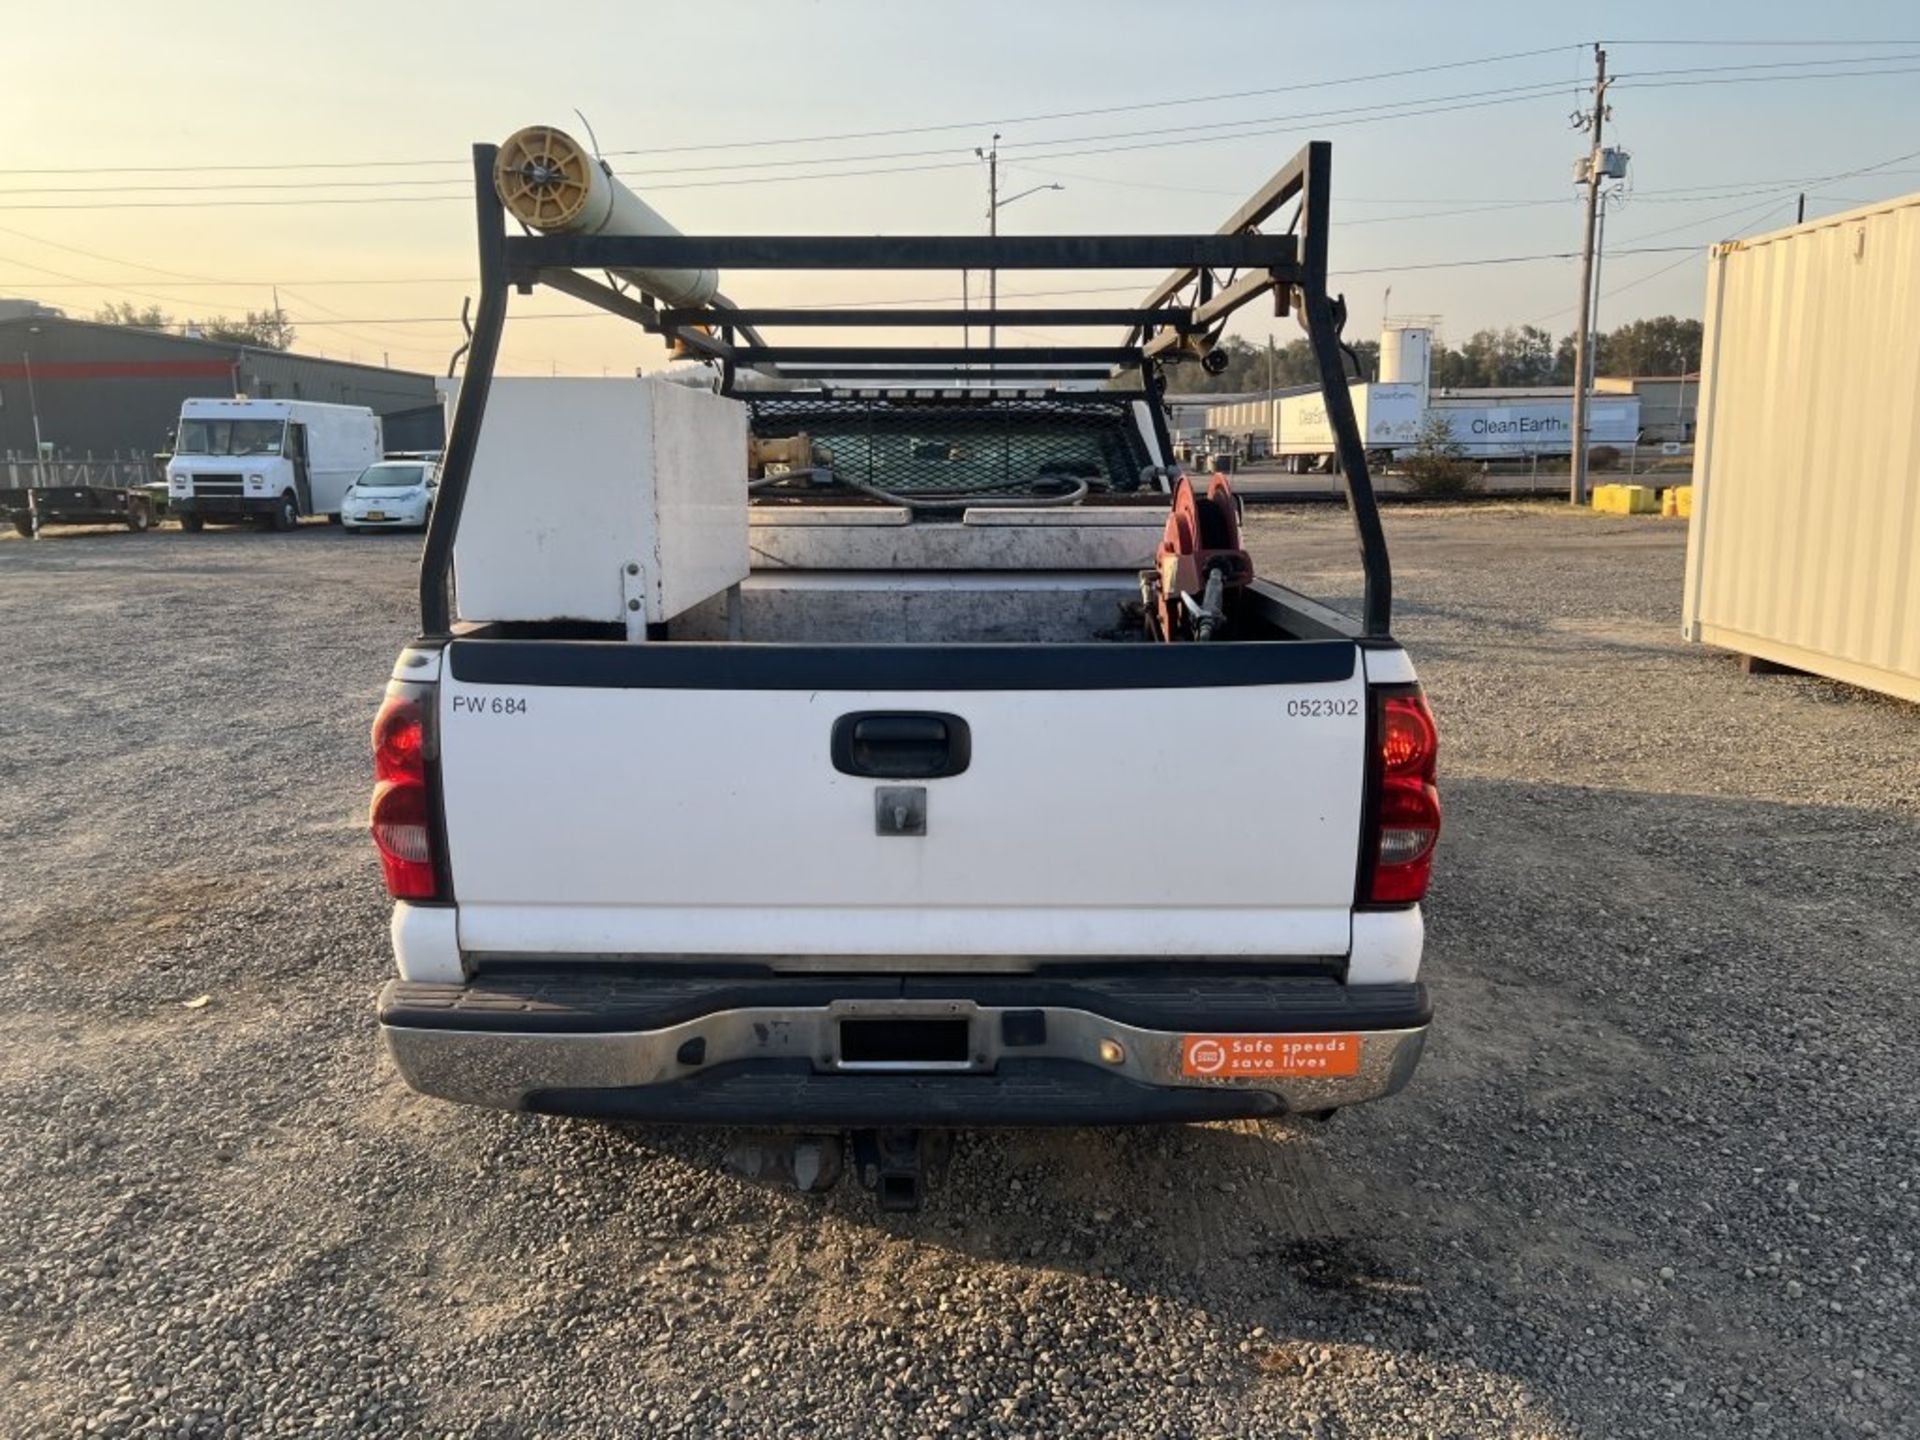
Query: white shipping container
[1806, 501]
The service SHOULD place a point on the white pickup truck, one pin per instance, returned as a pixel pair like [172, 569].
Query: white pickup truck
[936, 759]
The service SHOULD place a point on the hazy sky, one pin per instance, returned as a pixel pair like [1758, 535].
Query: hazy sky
[724, 103]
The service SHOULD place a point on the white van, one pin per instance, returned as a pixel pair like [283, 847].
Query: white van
[271, 461]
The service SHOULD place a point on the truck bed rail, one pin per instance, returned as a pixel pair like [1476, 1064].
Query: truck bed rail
[1210, 277]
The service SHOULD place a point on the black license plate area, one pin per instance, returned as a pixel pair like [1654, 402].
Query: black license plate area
[905, 1042]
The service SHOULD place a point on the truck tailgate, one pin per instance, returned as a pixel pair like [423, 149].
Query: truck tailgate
[1124, 800]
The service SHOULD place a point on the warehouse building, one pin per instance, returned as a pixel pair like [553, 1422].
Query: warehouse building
[114, 390]
[1667, 404]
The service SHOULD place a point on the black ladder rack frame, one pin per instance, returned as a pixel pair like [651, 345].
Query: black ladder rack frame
[1291, 266]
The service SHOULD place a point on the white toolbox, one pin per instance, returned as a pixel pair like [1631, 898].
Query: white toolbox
[616, 500]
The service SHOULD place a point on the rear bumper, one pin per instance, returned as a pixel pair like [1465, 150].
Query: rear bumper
[768, 1050]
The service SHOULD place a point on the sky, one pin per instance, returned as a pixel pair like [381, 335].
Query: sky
[198, 155]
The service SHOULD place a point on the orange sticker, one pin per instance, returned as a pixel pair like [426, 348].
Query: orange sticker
[1262, 1057]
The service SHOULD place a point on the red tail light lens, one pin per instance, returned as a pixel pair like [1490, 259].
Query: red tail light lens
[1408, 742]
[402, 816]
[1407, 818]
[399, 740]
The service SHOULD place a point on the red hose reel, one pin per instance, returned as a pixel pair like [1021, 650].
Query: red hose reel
[1200, 563]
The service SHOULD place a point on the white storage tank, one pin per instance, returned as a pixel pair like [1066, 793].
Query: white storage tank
[1406, 354]
[1805, 540]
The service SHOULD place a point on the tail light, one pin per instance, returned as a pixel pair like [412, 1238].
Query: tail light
[1406, 812]
[402, 819]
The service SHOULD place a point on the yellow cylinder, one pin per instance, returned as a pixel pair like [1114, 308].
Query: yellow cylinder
[551, 183]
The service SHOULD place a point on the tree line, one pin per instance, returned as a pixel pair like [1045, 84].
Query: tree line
[1515, 355]
[267, 329]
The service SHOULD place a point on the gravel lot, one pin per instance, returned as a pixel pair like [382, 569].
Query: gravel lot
[1656, 1176]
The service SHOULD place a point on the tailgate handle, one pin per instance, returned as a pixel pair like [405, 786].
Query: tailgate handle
[901, 745]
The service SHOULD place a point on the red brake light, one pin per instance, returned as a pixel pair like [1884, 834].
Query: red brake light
[399, 740]
[402, 816]
[1407, 738]
[1407, 816]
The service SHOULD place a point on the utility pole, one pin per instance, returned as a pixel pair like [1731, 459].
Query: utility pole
[966, 309]
[1592, 120]
[1599, 264]
[994, 206]
[993, 233]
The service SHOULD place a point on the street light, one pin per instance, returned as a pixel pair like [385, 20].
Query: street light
[994, 206]
[1032, 190]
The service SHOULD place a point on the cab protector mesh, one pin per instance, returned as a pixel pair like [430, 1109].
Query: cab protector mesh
[964, 447]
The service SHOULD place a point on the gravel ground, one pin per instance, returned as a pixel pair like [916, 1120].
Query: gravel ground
[1656, 1176]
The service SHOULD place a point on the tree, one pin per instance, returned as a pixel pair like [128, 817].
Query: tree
[268, 329]
[1500, 357]
[1437, 464]
[1293, 364]
[1663, 345]
[127, 313]
[1513, 355]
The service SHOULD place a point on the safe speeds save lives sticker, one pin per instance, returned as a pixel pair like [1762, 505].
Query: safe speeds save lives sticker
[1261, 1057]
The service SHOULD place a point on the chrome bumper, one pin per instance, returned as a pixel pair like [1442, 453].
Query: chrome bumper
[785, 1053]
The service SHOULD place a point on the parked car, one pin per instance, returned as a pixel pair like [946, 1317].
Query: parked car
[392, 495]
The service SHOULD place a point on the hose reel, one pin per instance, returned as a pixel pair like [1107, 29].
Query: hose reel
[1200, 566]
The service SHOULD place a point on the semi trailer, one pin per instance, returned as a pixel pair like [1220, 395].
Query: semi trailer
[1395, 410]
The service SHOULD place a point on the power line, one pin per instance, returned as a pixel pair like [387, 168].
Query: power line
[370, 339]
[230, 185]
[1122, 109]
[257, 284]
[1773, 65]
[779, 179]
[1299, 117]
[1691, 253]
[1762, 79]
[1665, 195]
[1505, 260]
[1048, 149]
[1163, 135]
[1770, 204]
[978, 124]
[1757, 44]
[96, 255]
[1415, 106]
[1664, 269]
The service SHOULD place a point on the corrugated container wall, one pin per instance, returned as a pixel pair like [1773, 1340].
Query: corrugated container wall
[1806, 521]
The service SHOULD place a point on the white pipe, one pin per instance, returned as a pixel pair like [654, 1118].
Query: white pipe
[549, 182]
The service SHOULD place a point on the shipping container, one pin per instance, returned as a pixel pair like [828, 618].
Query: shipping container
[1806, 501]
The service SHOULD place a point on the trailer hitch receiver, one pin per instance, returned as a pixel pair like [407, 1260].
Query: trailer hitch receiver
[898, 1164]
